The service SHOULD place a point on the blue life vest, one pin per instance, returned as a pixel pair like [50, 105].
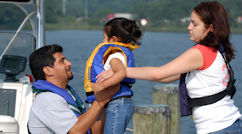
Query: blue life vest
[76, 105]
[95, 65]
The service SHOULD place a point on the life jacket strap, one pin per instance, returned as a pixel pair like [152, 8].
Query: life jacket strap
[89, 93]
[126, 84]
[122, 83]
[193, 102]
[230, 90]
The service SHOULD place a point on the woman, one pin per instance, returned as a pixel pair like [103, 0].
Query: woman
[205, 68]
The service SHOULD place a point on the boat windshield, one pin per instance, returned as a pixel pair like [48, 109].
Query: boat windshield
[23, 45]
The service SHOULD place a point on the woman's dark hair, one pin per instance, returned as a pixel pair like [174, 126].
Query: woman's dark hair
[213, 14]
[43, 57]
[126, 30]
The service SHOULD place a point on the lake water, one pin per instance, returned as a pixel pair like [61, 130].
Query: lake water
[157, 49]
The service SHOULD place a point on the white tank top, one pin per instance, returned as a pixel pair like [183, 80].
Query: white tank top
[210, 79]
[118, 55]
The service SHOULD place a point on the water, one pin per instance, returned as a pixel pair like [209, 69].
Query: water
[157, 49]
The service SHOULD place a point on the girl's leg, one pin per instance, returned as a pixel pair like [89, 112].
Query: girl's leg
[118, 114]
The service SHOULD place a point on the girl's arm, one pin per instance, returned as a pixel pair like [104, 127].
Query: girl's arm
[119, 73]
[190, 60]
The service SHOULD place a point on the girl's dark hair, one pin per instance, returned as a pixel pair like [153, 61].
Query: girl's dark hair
[213, 14]
[126, 30]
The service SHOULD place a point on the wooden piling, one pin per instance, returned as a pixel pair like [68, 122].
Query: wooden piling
[152, 119]
[168, 95]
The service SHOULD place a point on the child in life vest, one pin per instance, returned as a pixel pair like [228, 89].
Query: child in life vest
[205, 67]
[115, 52]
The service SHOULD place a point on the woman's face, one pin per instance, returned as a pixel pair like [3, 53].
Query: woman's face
[197, 29]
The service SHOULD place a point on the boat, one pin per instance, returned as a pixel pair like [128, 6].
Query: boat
[16, 96]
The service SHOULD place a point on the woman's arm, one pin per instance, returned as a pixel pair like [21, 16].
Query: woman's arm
[190, 60]
[170, 79]
[108, 73]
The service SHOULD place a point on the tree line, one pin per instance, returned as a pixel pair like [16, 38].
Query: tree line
[93, 12]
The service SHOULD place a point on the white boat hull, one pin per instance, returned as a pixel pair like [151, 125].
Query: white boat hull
[23, 102]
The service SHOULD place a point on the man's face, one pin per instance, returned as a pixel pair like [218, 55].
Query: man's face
[62, 67]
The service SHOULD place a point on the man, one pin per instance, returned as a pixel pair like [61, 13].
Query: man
[57, 108]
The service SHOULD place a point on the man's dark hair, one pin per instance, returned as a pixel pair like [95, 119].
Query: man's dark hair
[43, 57]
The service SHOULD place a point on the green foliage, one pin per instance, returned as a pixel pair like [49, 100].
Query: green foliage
[53, 10]
[9, 17]
[161, 14]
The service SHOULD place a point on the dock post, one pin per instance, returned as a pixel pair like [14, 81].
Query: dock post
[152, 119]
[169, 95]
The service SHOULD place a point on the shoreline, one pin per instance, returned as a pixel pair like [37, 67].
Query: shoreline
[167, 28]
[75, 26]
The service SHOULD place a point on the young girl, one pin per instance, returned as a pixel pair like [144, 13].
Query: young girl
[205, 68]
[120, 38]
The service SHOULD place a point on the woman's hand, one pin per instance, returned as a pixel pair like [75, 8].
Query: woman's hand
[104, 75]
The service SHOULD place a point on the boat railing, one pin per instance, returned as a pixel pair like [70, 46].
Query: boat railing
[34, 11]
[16, 34]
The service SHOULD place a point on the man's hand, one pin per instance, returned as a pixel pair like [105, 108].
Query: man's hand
[104, 96]
[95, 115]
[97, 87]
